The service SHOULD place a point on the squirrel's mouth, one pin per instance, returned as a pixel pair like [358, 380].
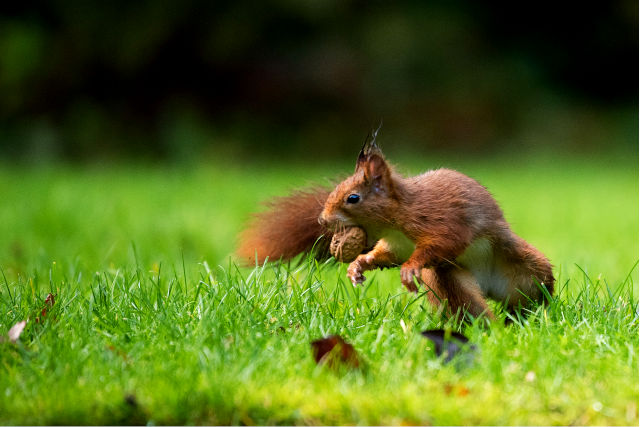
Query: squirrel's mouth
[335, 222]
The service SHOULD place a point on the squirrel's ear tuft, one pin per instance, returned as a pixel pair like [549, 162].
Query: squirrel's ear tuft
[369, 148]
[362, 157]
[372, 164]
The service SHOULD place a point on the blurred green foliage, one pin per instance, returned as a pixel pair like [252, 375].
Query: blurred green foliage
[95, 80]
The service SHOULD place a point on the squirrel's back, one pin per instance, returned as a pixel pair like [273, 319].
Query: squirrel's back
[446, 196]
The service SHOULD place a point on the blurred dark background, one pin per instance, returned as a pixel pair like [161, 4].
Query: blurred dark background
[88, 80]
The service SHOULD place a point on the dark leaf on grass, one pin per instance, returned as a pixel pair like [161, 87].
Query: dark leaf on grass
[448, 343]
[16, 331]
[132, 413]
[130, 399]
[335, 351]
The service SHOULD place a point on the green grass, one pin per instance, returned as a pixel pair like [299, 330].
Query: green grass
[153, 323]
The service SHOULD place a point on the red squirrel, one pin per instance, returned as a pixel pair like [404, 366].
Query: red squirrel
[443, 228]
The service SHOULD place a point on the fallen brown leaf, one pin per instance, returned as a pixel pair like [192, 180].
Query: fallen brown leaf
[118, 352]
[49, 301]
[334, 351]
[463, 391]
[460, 390]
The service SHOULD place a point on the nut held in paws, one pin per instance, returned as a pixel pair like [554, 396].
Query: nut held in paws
[348, 244]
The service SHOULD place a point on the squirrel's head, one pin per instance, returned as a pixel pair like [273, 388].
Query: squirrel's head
[364, 198]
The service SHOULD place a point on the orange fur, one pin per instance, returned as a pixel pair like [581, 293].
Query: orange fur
[380, 256]
[457, 288]
[287, 228]
[463, 247]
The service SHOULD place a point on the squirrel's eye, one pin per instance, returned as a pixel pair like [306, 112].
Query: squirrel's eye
[353, 198]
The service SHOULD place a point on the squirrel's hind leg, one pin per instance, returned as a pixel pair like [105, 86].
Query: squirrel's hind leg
[527, 269]
[458, 287]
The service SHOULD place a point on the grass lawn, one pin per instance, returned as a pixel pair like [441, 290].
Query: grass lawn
[153, 323]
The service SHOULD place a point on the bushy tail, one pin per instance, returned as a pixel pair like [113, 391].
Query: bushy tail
[287, 228]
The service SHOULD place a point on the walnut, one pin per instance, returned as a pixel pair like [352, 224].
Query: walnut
[348, 244]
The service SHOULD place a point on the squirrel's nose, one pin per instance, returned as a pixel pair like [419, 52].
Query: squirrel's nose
[322, 221]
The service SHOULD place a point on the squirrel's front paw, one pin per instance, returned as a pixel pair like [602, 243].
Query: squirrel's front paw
[356, 268]
[354, 273]
[407, 273]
